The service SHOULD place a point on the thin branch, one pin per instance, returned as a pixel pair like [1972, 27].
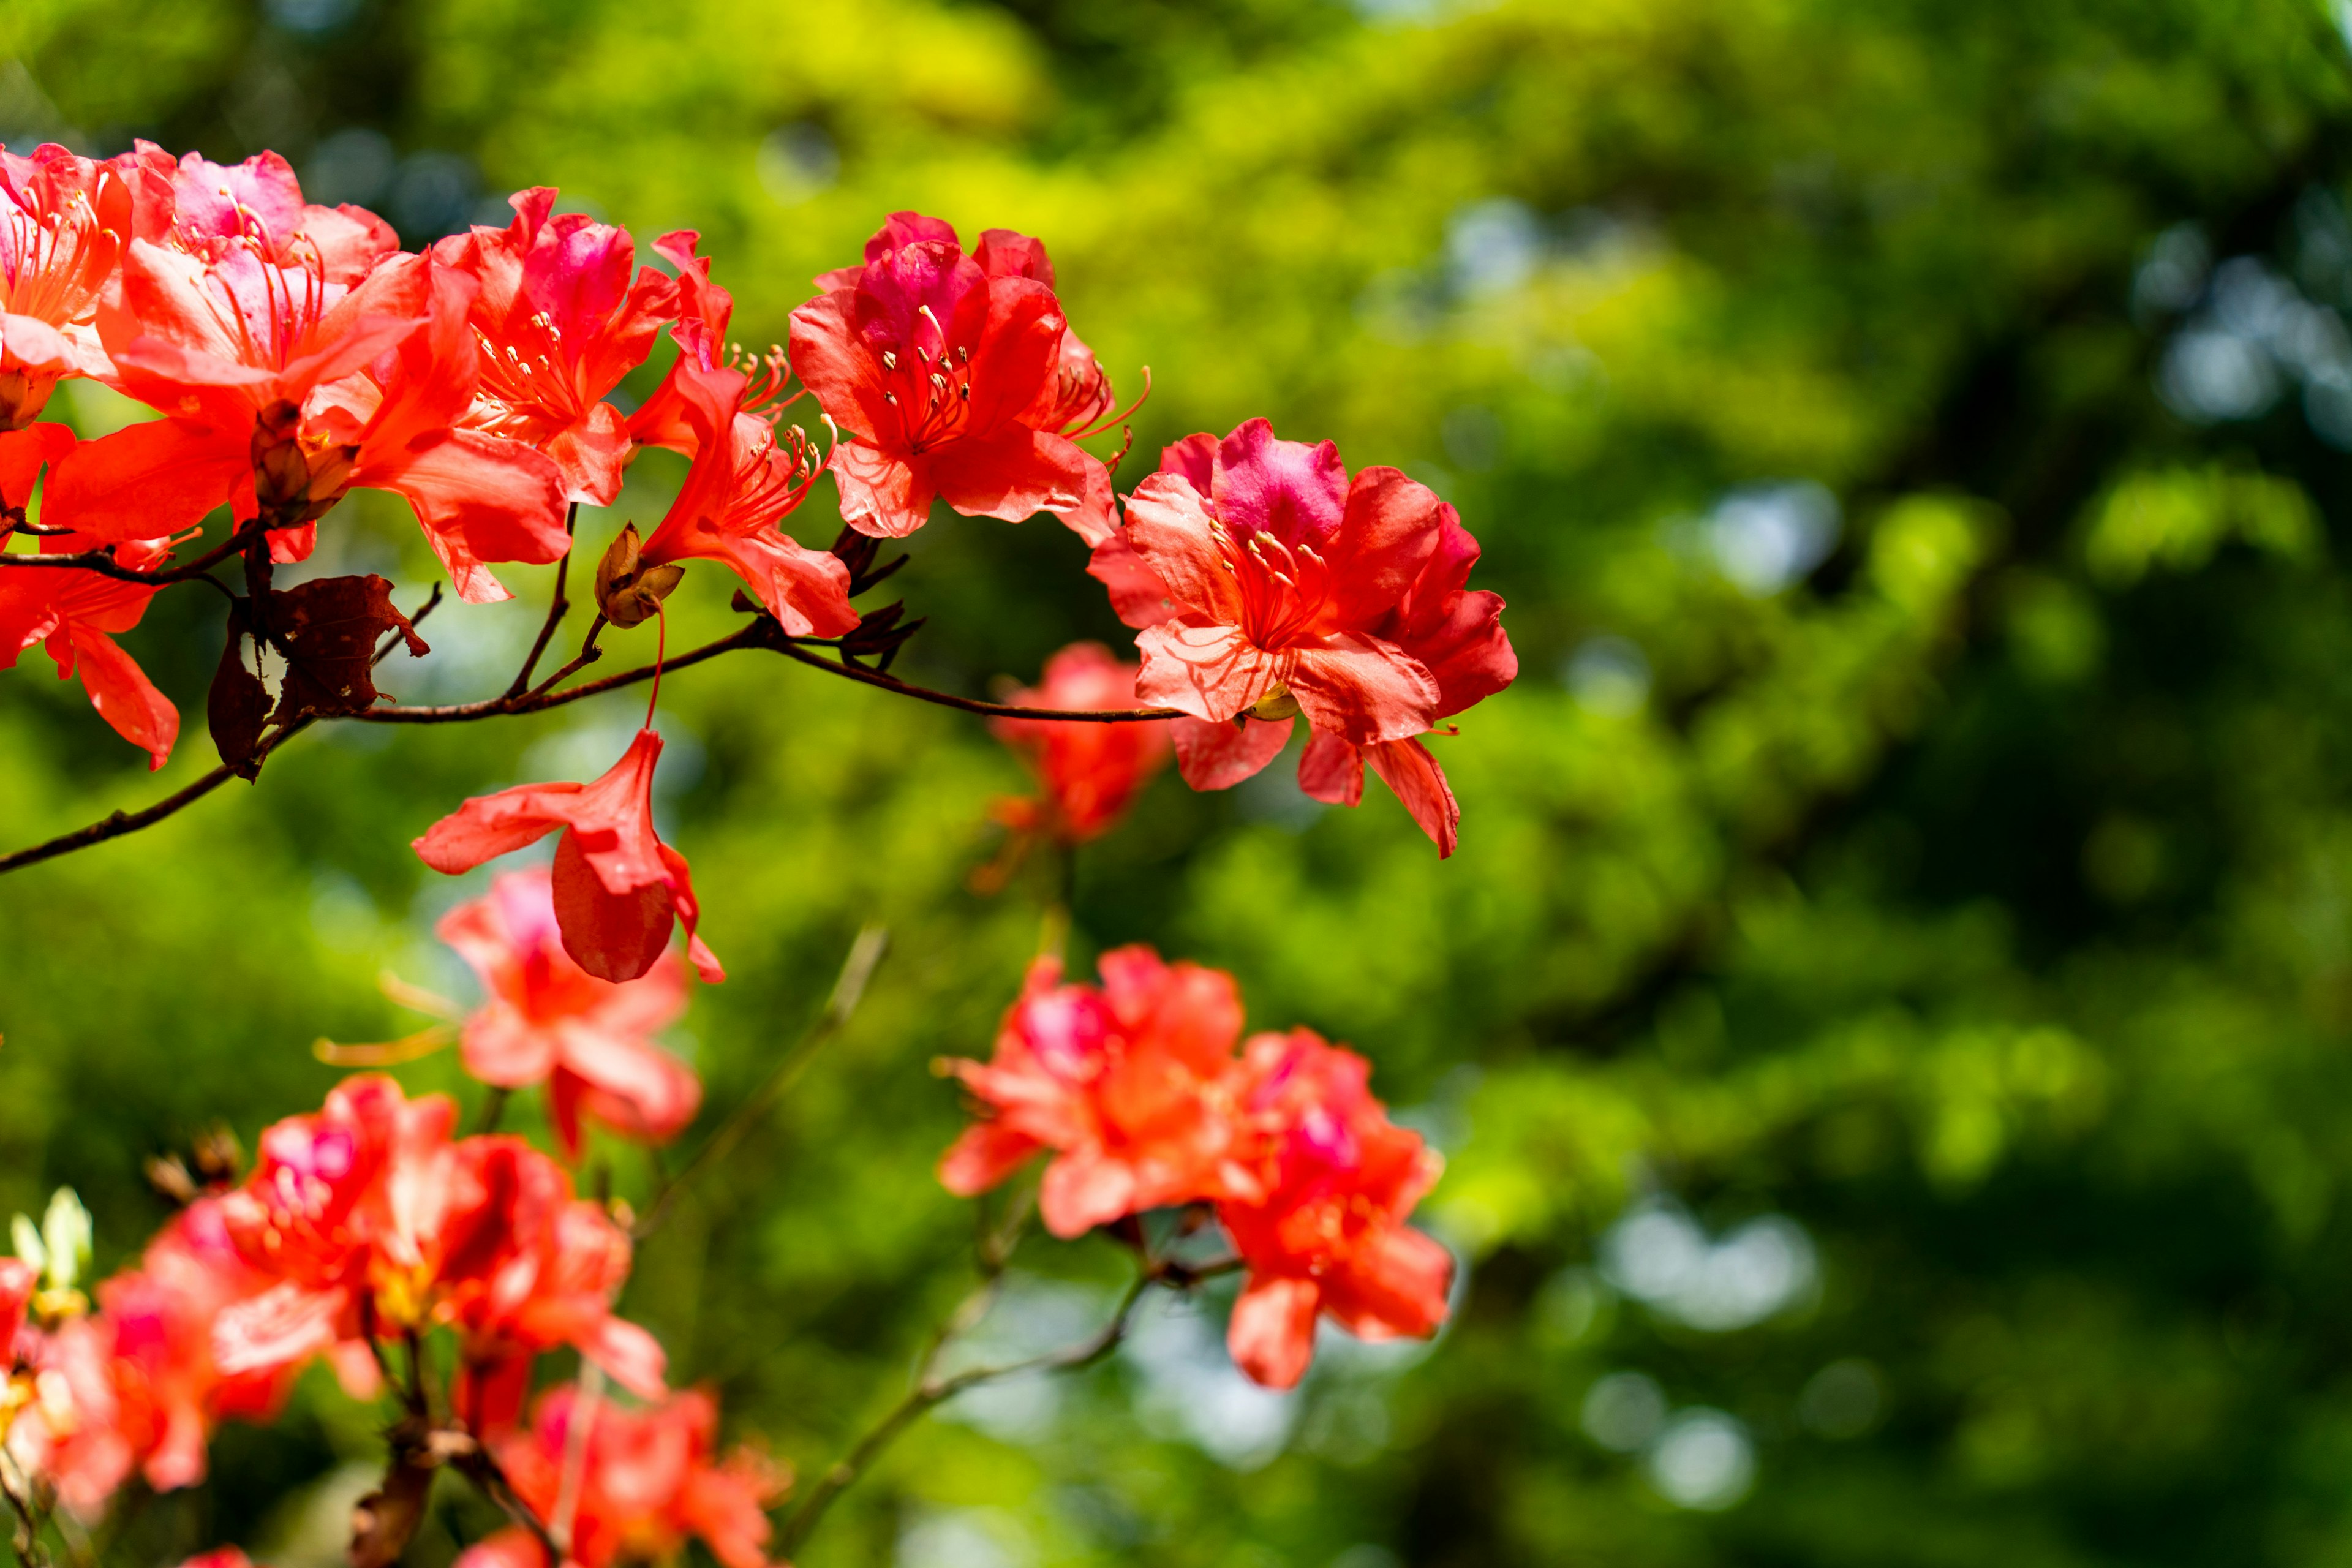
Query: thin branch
[761, 633]
[123, 822]
[930, 1391]
[101, 560]
[865, 953]
[556, 607]
[792, 650]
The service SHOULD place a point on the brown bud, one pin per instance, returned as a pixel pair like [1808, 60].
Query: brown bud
[628, 593]
[22, 394]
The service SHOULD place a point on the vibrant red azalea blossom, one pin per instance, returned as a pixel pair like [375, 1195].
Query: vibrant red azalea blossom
[1268, 584]
[953, 376]
[560, 321]
[741, 485]
[647, 1480]
[548, 1021]
[1137, 1091]
[1325, 1234]
[617, 886]
[372, 1221]
[1091, 773]
[1126, 1084]
[73, 613]
[64, 222]
[250, 329]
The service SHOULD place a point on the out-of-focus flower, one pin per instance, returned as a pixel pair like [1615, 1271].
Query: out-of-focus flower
[1126, 1084]
[1267, 585]
[170, 1390]
[1091, 773]
[617, 886]
[529, 1269]
[548, 1021]
[1325, 1232]
[645, 1481]
[560, 322]
[345, 1211]
[954, 377]
[74, 614]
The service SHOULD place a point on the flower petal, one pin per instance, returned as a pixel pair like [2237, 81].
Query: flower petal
[1222, 754]
[1272, 1333]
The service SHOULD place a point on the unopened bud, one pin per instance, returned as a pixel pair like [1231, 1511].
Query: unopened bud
[628, 591]
[22, 394]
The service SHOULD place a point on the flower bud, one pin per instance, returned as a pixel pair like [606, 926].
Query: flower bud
[628, 594]
[22, 394]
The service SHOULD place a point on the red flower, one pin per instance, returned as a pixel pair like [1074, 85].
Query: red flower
[73, 612]
[1125, 1084]
[705, 310]
[953, 376]
[251, 331]
[528, 1268]
[1091, 772]
[1268, 585]
[647, 1480]
[561, 322]
[741, 487]
[171, 1392]
[64, 220]
[345, 1210]
[549, 1021]
[1327, 1234]
[616, 886]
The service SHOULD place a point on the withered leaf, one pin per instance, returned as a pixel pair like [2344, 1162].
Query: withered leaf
[328, 629]
[238, 704]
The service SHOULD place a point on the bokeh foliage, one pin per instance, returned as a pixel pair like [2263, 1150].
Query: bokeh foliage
[1975, 895]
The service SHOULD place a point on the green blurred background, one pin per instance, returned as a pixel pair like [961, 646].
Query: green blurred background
[1890, 1018]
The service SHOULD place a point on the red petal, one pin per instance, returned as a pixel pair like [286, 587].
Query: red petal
[1271, 1334]
[123, 695]
[1362, 688]
[1331, 770]
[145, 480]
[1406, 767]
[986, 1153]
[614, 936]
[1220, 755]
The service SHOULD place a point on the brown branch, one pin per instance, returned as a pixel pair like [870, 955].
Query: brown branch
[930, 1391]
[865, 953]
[101, 560]
[763, 633]
[792, 650]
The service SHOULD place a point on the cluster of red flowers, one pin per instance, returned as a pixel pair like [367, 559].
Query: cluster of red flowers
[292, 352]
[1140, 1092]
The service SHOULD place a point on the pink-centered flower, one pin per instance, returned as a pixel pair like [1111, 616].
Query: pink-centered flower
[1268, 585]
[75, 615]
[294, 354]
[617, 886]
[545, 1020]
[1125, 1083]
[560, 321]
[954, 377]
[1326, 1233]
